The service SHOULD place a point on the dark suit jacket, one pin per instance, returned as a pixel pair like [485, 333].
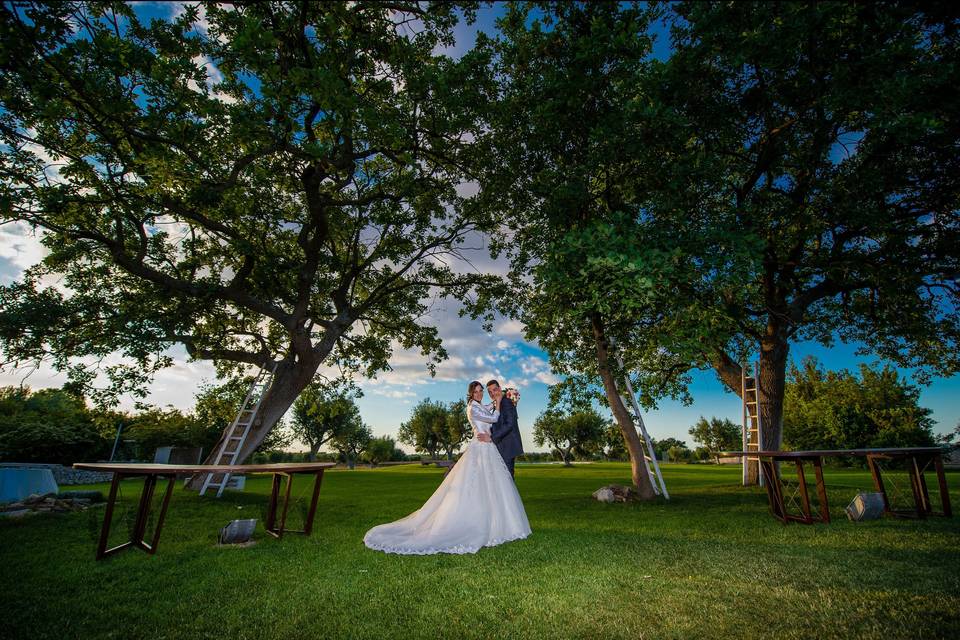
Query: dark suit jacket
[505, 432]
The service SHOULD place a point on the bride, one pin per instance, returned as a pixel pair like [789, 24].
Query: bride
[476, 505]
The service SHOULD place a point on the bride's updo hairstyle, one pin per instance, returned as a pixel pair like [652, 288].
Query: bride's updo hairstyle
[470, 387]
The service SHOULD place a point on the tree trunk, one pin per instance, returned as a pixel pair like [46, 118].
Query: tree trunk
[313, 452]
[290, 379]
[772, 381]
[565, 456]
[641, 479]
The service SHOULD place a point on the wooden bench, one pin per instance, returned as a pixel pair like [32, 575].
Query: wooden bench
[917, 460]
[152, 472]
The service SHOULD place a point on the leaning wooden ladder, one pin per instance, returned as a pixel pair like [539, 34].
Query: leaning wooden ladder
[650, 459]
[752, 434]
[236, 434]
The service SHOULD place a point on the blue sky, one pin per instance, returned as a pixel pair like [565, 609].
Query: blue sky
[475, 354]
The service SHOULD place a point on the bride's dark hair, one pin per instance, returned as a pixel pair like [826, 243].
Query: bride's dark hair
[470, 388]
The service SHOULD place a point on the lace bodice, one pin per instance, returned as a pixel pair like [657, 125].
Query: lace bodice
[481, 417]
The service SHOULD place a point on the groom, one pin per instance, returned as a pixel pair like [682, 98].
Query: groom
[505, 432]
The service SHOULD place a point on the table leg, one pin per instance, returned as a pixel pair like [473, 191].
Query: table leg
[272, 507]
[286, 505]
[107, 516]
[804, 497]
[774, 491]
[942, 480]
[143, 510]
[308, 527]
[878, 482]
[913, 471]
[163, 512]
[821, 490]
[272, 528]
[922, 481]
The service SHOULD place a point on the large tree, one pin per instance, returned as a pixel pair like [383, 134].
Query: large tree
[790, 172]
[273, 186]
[809, 190]
[566, 145]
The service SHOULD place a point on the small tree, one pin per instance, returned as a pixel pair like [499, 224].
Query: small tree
[351, 443]
[321, 412]
[662, 447]
[457, 429]
[678, 454]
[155, 427]
[579, 432]
[379, 450]
[716, 435]
[951, 439]
[426, 427]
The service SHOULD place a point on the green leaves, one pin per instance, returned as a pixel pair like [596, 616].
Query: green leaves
[323, 412]
[842, 410]
[274, 184]
[434, 427]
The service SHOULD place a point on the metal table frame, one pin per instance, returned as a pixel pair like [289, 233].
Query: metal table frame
[152, 472]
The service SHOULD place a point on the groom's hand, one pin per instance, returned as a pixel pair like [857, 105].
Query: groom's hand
[484, 437]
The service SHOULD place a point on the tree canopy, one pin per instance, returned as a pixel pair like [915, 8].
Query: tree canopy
[568, 137]
[322, 412]
[717, 434]
[434, 427]
[582, 432]
[843, 410]
[49, 425]
[277, 189]
[787, 173]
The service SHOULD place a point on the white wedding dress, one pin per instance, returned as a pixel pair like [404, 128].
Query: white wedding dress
[476, 505]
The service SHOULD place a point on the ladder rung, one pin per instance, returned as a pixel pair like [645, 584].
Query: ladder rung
[235, 438]
[750, 402]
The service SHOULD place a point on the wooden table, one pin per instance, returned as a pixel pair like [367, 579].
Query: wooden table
[169, 471]
[916, 458]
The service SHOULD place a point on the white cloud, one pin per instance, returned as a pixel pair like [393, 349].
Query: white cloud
[503, 344]
[533, 364]
[20, 246]
[398, 394]
[510, 328]
[547, 377]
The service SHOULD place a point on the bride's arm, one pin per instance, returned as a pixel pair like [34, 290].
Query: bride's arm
[482, 414]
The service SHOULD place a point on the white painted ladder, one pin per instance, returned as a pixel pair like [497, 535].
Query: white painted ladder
[650, 459]
[752, 434]
[236, 433]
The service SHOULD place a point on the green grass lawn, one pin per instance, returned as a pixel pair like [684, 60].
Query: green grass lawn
[710, 563]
